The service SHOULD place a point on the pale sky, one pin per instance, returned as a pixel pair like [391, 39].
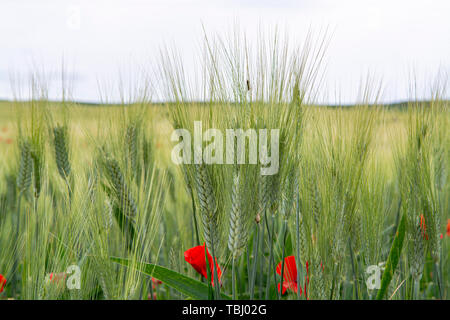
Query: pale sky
[386, 38]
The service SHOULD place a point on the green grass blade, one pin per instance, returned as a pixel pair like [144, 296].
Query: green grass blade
[187, 286]
[394, 256]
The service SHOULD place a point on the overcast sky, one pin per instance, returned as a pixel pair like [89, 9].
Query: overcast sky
[388, 38]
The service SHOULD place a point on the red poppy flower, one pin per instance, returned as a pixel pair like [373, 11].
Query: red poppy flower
[196, 258]
[448, 227]
[155, 283]
[423, 226]
[8, 141]
[290, 275]
[2, 282]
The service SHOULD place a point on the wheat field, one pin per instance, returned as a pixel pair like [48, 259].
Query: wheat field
[93, 207]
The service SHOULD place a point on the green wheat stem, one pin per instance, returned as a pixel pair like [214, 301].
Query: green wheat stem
[439, 279]
[352, 259]
[211, 294]
[333, 284]
[261, 264]
[215, 274]
[416, 289]
[284, 235]
[255, 260]
[269, 271]
[16, 258]
[194, 215]
[233, 277]
[298, 260]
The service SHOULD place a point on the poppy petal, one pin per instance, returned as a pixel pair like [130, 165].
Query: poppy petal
[2, 282]
[196, 258]
[290, 269]
[291, 286]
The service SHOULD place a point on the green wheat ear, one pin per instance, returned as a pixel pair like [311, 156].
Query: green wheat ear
[318, 286]
[147, 157]
[237, 238]
[24, 175]
[265, 184]
[123, 194]
[416, 252]
[36, 173]
[207, 202]
[61, 147]
[131, 145]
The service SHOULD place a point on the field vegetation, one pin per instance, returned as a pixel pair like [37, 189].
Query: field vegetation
[94, 186]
